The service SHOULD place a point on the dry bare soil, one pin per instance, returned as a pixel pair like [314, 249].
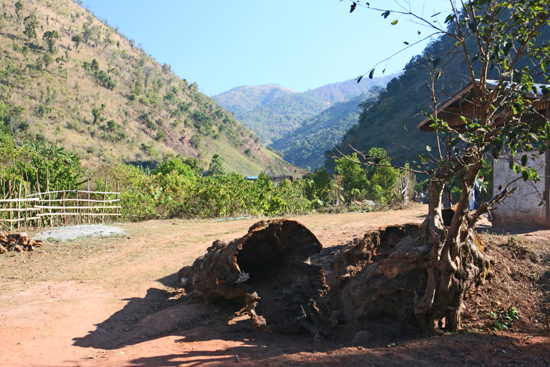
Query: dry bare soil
[114, 302]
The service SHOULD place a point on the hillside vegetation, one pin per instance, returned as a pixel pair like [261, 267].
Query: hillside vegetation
[67, 77]
[78, 101]
[306, 145]
[273, 112]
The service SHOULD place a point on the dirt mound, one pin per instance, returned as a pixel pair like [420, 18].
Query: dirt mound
[70, 233]
[519, 278]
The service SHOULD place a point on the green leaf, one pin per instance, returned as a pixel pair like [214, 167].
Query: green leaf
[524, 159]
[394, 22]
[371, 74]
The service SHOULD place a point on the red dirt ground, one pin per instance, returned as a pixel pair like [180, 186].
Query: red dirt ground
[113, 302]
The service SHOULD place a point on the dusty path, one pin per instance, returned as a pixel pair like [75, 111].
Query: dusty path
[112, 302]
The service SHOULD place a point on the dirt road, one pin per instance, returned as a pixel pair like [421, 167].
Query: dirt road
[112, 302]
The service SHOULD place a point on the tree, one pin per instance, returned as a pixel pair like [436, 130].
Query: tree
[490, 36]
[354, 178]
[94, 66]
[216, 166]
[97, 112]
[382, 178]
[51, 37]
[30, 26]
[179, 165]
[195, 164]
[47, 59]
[77, 40]
[18, 8]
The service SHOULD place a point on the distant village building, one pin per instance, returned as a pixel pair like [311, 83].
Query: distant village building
[529, 205]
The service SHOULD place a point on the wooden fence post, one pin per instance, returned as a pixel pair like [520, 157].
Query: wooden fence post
[90, 218]
[19, 207]
[25, 195]
[116, 202]
[49, 198]
[77, 209]
[9, 206]
[104, 199]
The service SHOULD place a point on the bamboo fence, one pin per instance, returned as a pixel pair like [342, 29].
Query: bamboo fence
[19, 209]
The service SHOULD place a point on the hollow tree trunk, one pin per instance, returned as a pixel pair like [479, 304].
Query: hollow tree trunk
[267, 271]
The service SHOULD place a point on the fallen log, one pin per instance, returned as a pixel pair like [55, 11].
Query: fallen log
[267, 271]
[392, 283]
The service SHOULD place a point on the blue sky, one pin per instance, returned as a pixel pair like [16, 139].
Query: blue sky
[297, 44]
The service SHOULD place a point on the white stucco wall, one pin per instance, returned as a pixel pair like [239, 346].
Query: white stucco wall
[522, 208]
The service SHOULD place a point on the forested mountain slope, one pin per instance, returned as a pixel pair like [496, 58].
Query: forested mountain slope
[391, 122]
[67, 77]
[276, 118]
[243, 99]
[305, 146]
[272, 111]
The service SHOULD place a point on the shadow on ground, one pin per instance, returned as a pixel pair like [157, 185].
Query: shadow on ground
[470, 349]
[140, 319]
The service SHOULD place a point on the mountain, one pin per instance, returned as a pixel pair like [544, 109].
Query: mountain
[272, 120]
[341, 91]
[241, 100]
[271, 111]
[67, 77]
[306, 145]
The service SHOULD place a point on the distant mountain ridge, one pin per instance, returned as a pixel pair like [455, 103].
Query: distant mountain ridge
[273, 112]
[306, 145]
[337, 92]
[240, 100]
[284, 114]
